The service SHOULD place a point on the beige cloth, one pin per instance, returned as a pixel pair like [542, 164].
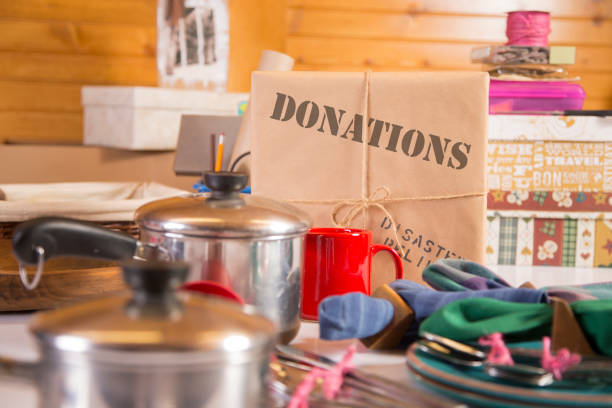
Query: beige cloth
[95, 201]
[424, 167]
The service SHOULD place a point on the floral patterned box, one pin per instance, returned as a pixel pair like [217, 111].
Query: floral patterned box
[556, 228]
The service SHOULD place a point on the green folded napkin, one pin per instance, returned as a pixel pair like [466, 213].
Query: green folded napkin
[469, 319]
[594, 317]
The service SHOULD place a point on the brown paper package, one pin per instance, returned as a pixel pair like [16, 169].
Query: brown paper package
[423, 167]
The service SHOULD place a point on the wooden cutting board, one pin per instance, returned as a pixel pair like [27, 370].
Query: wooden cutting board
[64, 280]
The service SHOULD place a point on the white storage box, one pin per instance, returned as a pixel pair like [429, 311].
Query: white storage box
[143, 118]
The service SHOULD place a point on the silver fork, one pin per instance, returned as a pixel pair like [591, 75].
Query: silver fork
[402, 395]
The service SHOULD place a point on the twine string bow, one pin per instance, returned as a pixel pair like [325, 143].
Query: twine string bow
[360, 205]
[357, 206]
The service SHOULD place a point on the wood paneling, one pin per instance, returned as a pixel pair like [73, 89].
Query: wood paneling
[254, 26]
[95, 11]
[561, 8]
[433, 27]
[596, 85]
[84, 69]
[603, 104]
[354, 35]
[414, 54]
[50, 48]
[39, 96]
[76, 38]
[41, 127]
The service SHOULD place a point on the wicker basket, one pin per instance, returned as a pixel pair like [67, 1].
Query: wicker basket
[127, 227]
[68, 279]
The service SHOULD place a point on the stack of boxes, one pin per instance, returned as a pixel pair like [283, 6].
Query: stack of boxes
[550, 174]
[528, 75]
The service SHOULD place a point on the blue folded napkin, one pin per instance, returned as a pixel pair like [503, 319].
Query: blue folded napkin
[354, 315]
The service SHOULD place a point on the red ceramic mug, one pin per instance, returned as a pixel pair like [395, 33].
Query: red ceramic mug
[338, 261]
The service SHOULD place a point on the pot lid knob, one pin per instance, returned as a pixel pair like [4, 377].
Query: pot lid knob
[154, 277]
[154, 285]
[224, 184]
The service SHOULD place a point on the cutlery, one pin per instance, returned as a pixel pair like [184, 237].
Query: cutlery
[461, 349]
[517, 373]
[352, 394]
[520, 354]
[593, 369]
[402, 394]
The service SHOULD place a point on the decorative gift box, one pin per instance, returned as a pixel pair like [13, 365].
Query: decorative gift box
[550, 166]
[550, 179]
[556, 228]
[415, 176]
[141, 118]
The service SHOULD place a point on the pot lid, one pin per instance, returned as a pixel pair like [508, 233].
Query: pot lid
[155, 319]
[223, 213]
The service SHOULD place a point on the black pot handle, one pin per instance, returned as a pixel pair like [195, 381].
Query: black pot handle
[67, 237]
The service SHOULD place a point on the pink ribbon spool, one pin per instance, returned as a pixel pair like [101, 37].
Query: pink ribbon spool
[528, 28]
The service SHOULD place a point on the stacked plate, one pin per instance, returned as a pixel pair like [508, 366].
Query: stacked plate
[474, 387]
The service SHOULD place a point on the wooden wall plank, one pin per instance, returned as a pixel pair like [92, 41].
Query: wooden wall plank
[96, 11]
[254, 26]
[596, 85]
[40, 96]
[414, 54]
[597, 104]
[77, 38]
[560, 8]
[78, 68]
[37, 127]
[433, 27]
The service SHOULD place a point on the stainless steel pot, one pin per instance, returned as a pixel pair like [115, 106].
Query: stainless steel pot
[155, 348]
[250, 244]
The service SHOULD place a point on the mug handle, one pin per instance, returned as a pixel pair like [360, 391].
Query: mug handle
[399, 269]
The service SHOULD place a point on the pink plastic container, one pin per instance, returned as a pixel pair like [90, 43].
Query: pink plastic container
[534, 96]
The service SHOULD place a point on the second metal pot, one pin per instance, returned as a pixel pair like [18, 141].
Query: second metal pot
[250, 244]
[154, 348]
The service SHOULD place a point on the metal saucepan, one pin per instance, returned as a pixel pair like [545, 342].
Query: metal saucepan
[155, 348]
[251, 244]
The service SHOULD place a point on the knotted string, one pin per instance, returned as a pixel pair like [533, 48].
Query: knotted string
[556, 364]
[559, 363]
[382, 194]
[499, 353]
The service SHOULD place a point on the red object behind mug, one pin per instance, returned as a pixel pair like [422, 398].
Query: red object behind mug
[213, 289]
[338, 261]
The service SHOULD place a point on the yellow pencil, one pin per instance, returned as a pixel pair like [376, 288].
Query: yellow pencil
[219, 153]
